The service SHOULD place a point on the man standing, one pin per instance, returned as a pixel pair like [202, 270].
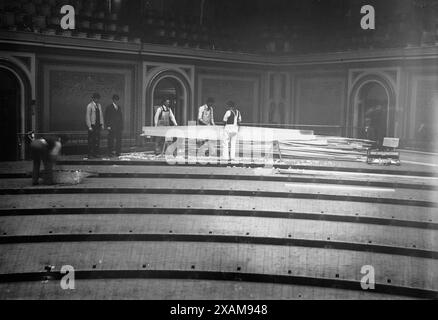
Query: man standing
[94, 121]
[205, 114]
[206, 118]
[232, 119]
[47, 151]
[114, 124]
[377, 122]
[163, 117]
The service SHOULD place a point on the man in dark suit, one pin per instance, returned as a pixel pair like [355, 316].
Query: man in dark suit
[114, 124]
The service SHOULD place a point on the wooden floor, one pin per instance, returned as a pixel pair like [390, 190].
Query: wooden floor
[152, 231]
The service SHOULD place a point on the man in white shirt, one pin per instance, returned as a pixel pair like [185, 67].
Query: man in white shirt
[163, 117]
[206, 118]
[205, 114]
[94, 121]
[232, 119]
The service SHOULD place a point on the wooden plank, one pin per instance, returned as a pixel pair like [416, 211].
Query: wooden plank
[243, 171]
[142, 201]
[221, 225]
[321, 165]
[169, 289]
[217, 133]
[358, 176]
[323, 145]
[284, 189]
[221, 257]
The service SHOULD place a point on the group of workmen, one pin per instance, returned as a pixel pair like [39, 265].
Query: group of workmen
[112, 120]
[47, 149]
[164, 116]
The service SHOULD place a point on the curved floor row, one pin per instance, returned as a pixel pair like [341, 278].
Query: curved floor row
[264, 234]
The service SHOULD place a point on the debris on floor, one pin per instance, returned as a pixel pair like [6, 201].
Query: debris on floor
[138, 156]
[70, 177]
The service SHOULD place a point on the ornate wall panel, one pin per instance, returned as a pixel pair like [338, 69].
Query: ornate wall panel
[320, 100]
[423, 111]
[244, 91]
[68, 90]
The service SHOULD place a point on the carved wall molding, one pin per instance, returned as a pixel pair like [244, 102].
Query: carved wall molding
[27, 64]
[155, 71]
[390, 79]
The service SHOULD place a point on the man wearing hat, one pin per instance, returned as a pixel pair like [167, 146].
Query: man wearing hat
[232, 119]
[206, 118]
[163, 117]
[94, 121]
[114, 125]
[205, 114]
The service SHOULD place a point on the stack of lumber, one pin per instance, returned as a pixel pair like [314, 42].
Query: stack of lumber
[292, 143]
[327, 148]
[217, 132]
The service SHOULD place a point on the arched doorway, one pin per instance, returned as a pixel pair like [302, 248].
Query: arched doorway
[10, 115]
[173, 85]
[370, 93]
[172, 89]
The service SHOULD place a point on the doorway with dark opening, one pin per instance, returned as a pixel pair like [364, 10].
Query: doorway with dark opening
[9, 115]
[170, 88]
[372, 108]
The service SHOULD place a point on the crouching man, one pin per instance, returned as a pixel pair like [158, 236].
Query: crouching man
[46, 150]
